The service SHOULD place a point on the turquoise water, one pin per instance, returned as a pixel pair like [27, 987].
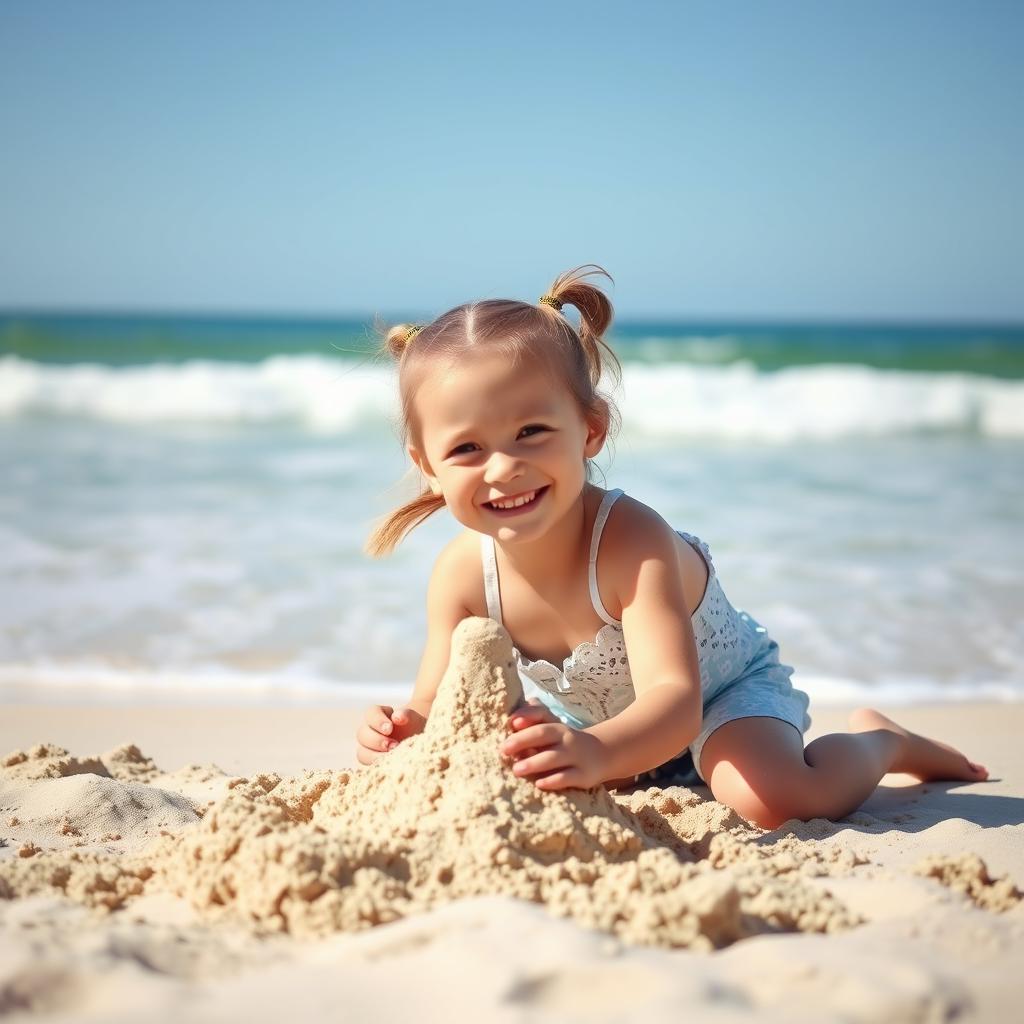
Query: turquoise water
[132, 341]
[186, 501]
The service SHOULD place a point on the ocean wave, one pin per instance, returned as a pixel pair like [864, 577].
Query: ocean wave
[311, 391]
[733, 403]
[825, 402]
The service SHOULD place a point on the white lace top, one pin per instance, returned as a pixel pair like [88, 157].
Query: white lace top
[594, 682]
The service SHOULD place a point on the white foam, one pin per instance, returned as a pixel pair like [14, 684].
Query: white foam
[825, 402]
[320, 394]
[837, 691]
[676, 400]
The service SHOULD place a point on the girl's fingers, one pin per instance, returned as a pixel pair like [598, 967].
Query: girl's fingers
[365, 756]
[527, 714]
[534, 736]
[374, 736]
[528, 752]
[407, 717]
[407, 722]
[379, 718]
[545, 761]
[564, 779]
[532, 714]
[372, 740]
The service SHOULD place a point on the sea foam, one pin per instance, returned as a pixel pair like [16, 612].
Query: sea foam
[736, 402]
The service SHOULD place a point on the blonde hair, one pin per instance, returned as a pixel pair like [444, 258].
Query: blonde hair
[519, 331]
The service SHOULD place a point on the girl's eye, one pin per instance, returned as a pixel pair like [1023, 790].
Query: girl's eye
[530, 430]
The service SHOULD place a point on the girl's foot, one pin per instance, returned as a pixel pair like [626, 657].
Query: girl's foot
[921, 757]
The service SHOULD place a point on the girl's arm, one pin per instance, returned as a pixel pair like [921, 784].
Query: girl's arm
[641, 568]
[446, 608]
[384, 727]
[648, 580]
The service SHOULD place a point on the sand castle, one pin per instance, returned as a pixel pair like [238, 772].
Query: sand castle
[439, 818]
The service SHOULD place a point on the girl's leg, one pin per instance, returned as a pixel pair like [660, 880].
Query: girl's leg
[759, 767]
[919, 756]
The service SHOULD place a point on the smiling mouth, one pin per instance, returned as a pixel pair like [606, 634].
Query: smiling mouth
[517, 503]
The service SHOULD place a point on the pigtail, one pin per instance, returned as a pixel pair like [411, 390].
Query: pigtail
[398, 337]
[596, 314]
[389, 534]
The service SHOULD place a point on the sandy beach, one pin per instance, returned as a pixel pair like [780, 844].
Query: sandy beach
[216, 862]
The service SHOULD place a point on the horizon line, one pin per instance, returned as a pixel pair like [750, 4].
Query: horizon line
[680, 318]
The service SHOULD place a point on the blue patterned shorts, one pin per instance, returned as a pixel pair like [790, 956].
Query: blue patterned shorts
[763, 690]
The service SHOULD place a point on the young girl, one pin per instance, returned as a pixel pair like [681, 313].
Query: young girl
[633, 656]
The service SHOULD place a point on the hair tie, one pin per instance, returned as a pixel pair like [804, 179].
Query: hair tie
[550, 300]
[412, 332]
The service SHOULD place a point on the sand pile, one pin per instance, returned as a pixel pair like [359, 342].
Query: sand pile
[437, 819]
[441, 818]
[967, 874]
[75, 821]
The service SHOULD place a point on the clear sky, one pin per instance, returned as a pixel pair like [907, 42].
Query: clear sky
[776, 159]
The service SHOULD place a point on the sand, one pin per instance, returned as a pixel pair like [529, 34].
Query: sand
[436, 882]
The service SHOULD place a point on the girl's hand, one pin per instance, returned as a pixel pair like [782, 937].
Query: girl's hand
[552, 754]
[383, 728]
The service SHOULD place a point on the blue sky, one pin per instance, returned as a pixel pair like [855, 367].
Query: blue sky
[815, 159]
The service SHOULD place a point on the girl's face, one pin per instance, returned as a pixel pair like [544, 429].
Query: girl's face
[491, 436]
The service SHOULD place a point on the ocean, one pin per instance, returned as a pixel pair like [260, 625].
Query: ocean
[185, 503]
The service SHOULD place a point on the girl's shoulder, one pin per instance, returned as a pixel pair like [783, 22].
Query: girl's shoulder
[632, 529]
[626, 509]
[636, 534]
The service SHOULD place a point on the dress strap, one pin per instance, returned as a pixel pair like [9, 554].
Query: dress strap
[600, 519]
[491, 588]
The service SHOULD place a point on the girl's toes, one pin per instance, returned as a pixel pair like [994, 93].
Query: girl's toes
[978, 769]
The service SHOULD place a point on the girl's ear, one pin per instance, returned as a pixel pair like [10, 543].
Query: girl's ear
[423, 466]
[597, 431]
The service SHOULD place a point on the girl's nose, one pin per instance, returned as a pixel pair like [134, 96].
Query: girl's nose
[502, 467]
